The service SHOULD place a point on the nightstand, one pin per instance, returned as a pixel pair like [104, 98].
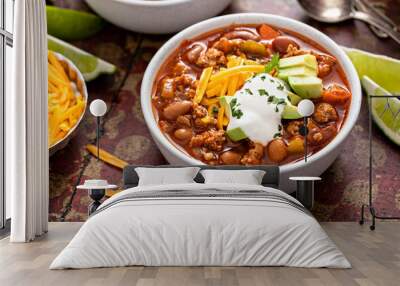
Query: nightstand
[305, 190]
[96, 190]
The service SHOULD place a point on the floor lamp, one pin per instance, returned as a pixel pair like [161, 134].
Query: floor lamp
[370, 205]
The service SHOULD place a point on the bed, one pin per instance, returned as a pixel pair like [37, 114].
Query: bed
[201, 224]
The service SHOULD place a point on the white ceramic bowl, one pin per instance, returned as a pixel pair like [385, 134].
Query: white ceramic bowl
[318, 162]
[80, 83]
[157, 16]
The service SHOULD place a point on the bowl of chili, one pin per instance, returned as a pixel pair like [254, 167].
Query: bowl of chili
[189, 81]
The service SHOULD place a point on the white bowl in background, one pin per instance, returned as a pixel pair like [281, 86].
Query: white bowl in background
[157, 16]
[317, 163]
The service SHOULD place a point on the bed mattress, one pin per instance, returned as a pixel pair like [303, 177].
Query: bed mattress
[201, 225]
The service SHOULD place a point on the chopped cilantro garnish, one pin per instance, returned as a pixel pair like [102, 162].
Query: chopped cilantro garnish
[281, 101]
[280, 87]
[248, 91]
[276, 135]
[273, 63]
[263, 77]
[236, 112]
[215, 110]
[263, 92]
[233, 103]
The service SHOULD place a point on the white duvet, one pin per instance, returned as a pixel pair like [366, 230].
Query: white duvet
[190, 231]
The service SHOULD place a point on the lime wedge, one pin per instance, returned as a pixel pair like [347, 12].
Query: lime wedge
[89, 65]
[70, 24]
[385, 71]
[385, 111]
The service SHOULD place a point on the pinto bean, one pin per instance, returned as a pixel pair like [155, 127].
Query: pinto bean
[194, 52]
[183, 134]
[277, 150]
[280, 44]
[174, 109]
[230, 158]
[242, 34]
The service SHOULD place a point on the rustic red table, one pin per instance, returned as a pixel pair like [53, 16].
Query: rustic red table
[344, 185]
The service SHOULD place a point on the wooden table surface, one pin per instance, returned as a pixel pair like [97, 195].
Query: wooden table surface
[344, 185]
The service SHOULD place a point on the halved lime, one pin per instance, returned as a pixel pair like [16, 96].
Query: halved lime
[385, 71]
[89, 65]
[68, 24]
[385, 111]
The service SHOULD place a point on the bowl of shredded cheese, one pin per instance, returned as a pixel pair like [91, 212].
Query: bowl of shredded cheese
[67, 100]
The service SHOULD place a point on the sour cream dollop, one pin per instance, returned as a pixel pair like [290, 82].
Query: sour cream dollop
[260, 102]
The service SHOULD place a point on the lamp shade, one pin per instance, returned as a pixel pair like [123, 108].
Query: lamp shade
[98, 107]
[305, 107]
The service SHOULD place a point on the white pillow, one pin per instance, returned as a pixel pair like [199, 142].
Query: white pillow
[248, 177]
[164, 176]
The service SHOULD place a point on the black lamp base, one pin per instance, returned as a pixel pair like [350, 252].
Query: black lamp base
[96, 195]
[373, 216]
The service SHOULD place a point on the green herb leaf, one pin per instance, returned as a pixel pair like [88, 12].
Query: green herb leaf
[273, 63]
[236, 112]
[248, 91]
[276, 135]
[263, 92]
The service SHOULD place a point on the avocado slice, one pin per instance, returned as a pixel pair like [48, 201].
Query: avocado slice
[306, 86]
[296, 71]
[294, 98]
[290, 112]
[236, 134]
[225, 103]
[302, 60]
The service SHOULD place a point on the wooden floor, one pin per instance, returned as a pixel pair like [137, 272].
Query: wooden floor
[375, 257]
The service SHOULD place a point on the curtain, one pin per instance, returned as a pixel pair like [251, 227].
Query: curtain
[26, 124]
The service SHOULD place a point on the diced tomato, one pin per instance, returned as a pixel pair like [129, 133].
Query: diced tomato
[268, 33]
[336, 94]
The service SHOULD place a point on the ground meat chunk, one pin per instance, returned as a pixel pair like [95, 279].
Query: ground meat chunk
[293, 128]
[185, 80]
[293, 50]
[254, 155]
[213, 140]
[212, 57]
[324, 112]
[199, 111]
[320, 136]
[165, 126]
[227, 46]
[325, 64]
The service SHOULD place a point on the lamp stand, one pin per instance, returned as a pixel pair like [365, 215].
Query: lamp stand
[370, 205]
[98, 137]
